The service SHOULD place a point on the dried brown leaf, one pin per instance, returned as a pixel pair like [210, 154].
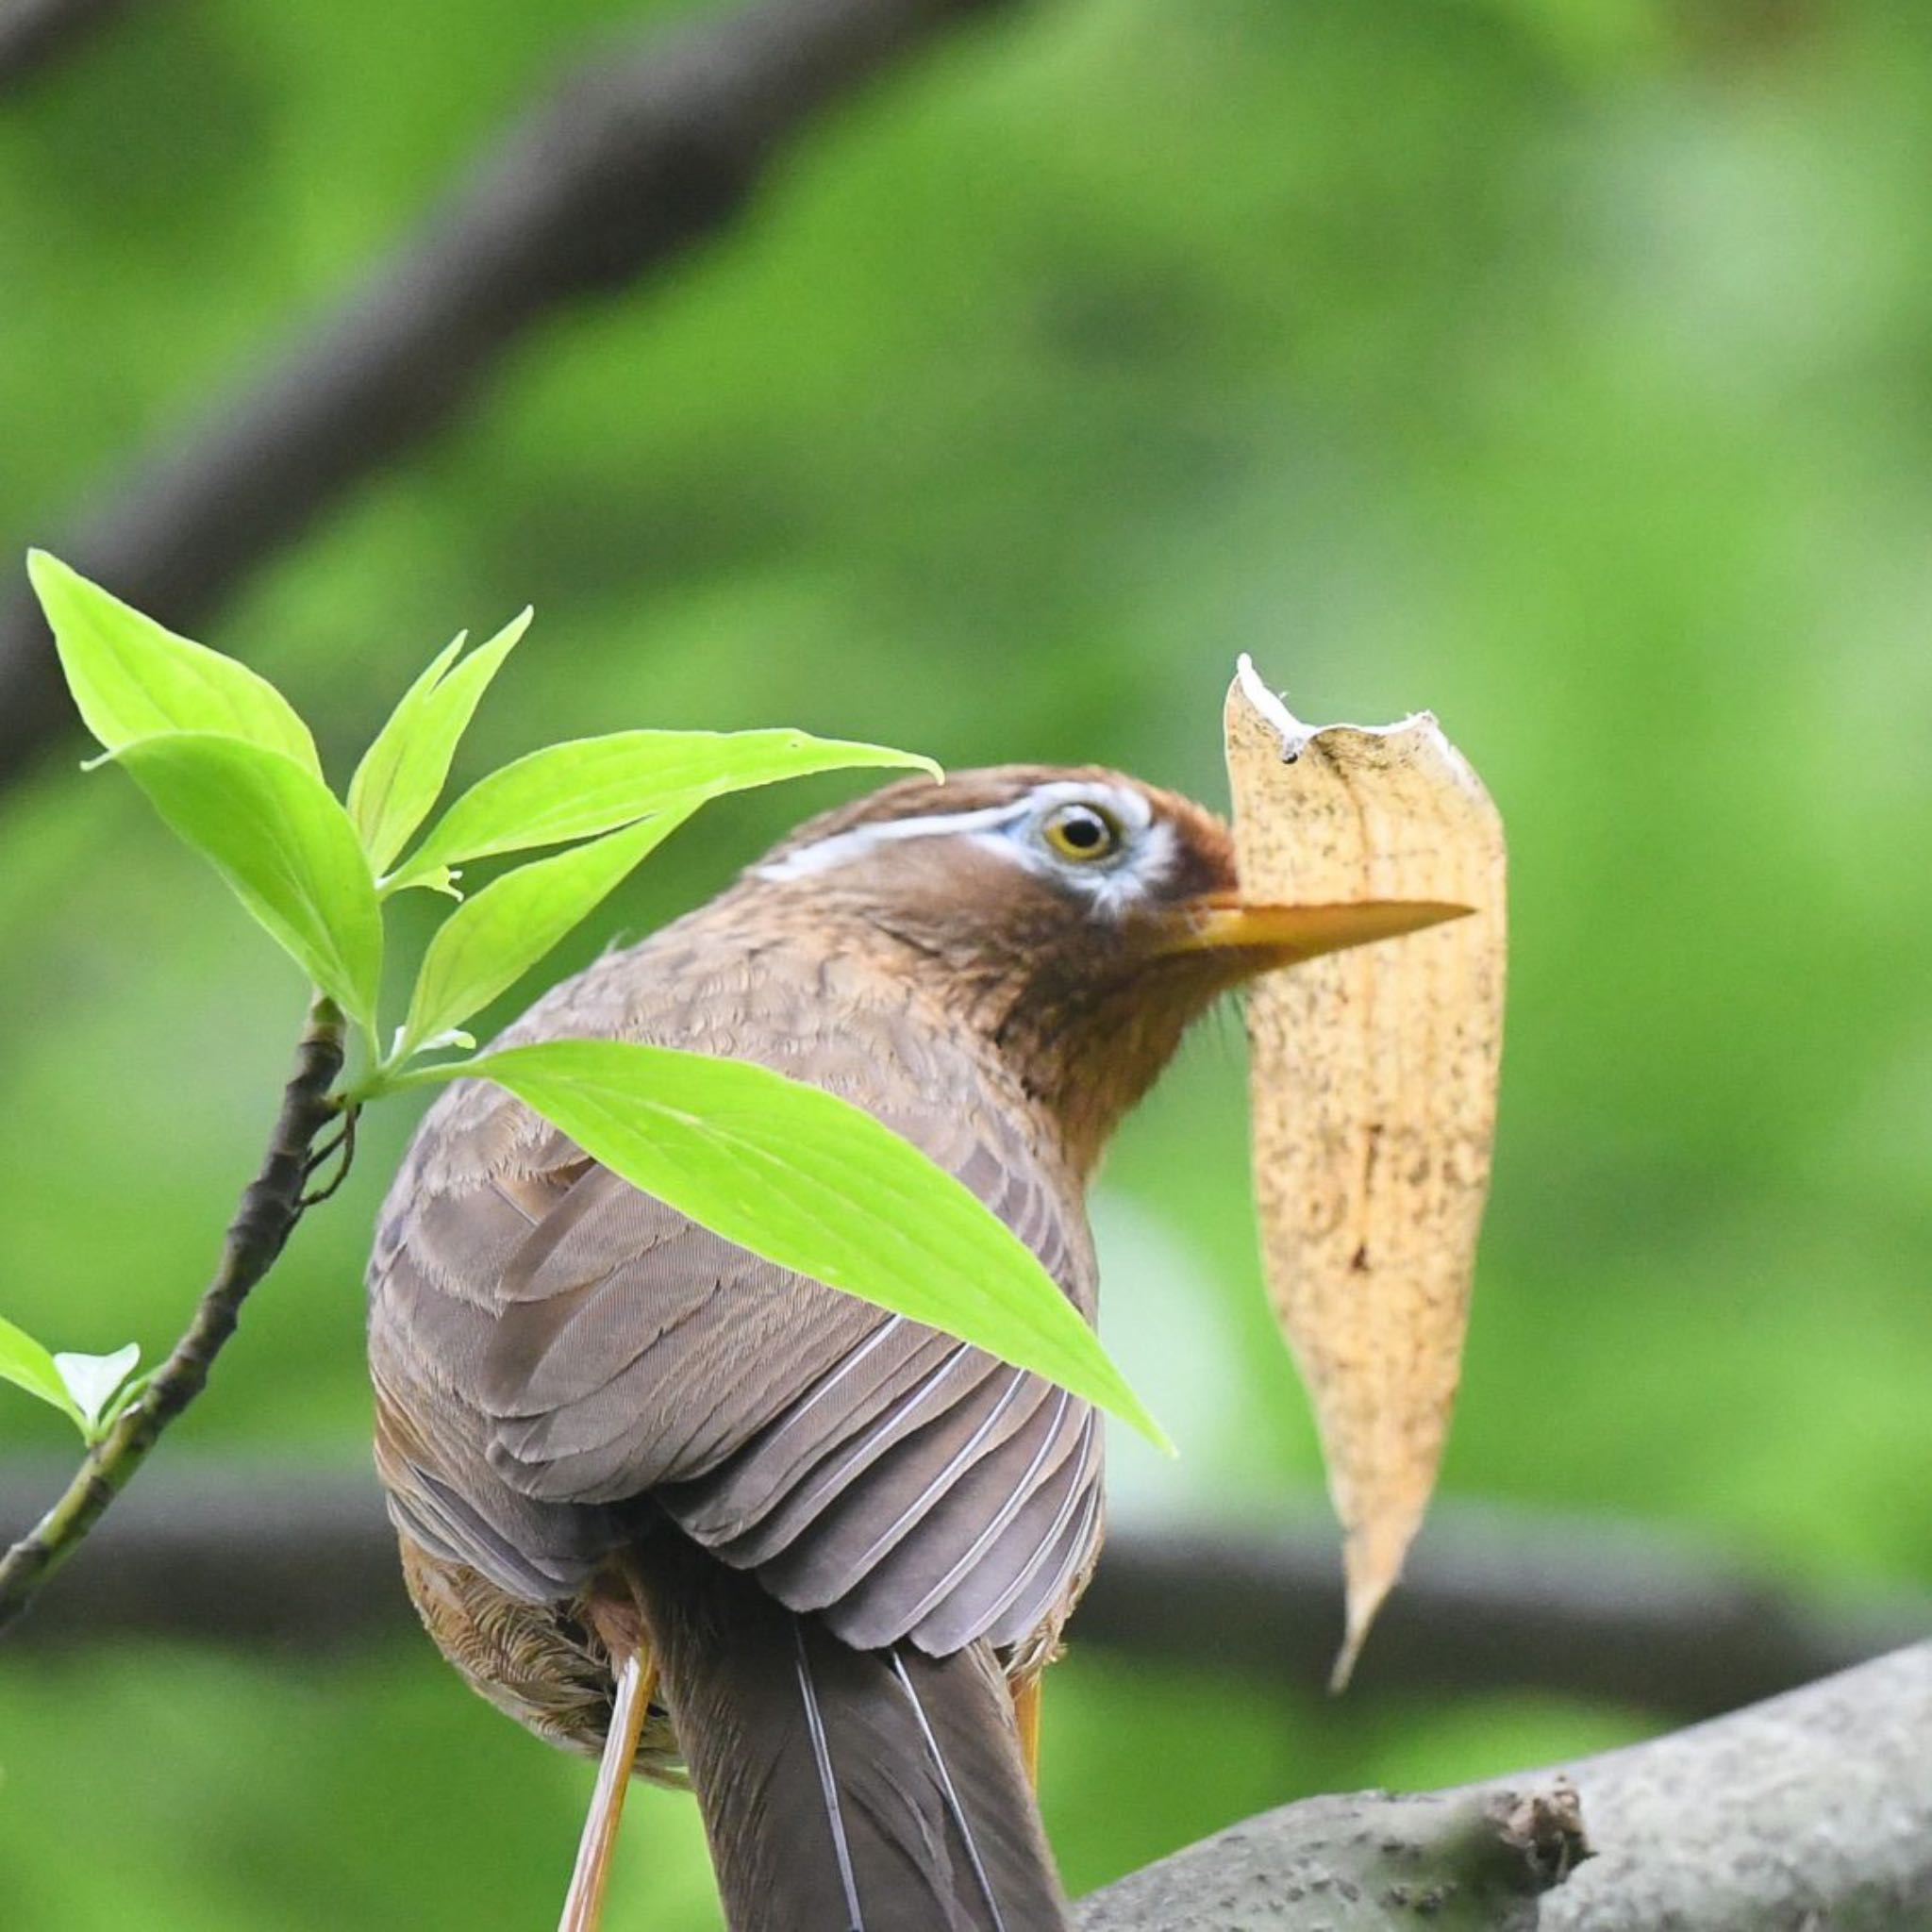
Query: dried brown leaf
[1373, 1086]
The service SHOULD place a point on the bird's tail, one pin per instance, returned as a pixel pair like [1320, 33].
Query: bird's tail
[844, 1791]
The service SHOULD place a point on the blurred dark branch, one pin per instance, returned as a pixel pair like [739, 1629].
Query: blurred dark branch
[639, 157]
[297, 1558]
[36, 33]
[1812, 1811]
[1491, 1599]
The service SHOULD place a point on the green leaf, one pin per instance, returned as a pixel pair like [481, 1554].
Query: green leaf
[27, 1365]
[281, 840]
[815, 1184]
[93, 1380]
[374, 809]
[402, 772]
[592, 784]
[132, 678]
[492, 939]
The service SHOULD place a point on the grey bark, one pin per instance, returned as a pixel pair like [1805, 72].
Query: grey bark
[641, 157]
[1809, 1811]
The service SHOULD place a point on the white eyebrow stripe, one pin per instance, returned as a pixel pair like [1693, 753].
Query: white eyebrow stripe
[1129, 807]
[842, 848]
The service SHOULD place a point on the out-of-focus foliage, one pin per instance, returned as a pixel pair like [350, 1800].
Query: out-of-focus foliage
[1566, 367]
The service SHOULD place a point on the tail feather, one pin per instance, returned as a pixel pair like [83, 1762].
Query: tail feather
[843, 1791]
[828, 1780]
[963, 1821]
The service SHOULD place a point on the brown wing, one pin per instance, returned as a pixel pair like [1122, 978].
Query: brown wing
[591, 1345]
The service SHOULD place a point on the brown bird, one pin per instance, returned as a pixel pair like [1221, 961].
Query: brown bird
[657, 1494]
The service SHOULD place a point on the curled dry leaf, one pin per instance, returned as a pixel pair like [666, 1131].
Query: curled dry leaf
[1372, 1085]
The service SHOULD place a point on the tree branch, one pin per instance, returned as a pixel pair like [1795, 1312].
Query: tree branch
[1508, 1599]
[1812, 1811]
[271, 1205]
[1491, 1600]
[35, 33]
[641, 157]
[1748, 1823]
[1818, 1804]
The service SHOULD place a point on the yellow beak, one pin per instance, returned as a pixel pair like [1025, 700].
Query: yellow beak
[1282, 935]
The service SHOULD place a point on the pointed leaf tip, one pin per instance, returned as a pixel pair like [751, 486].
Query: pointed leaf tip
[588, 786]
[134, 678]
[403, 771]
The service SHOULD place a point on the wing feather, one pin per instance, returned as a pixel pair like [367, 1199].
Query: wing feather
[976, 1530]
[591, 1346]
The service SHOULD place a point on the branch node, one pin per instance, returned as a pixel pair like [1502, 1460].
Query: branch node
[1545, 1828]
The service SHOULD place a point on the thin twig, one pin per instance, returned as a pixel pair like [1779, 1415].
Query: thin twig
[271, 1205]
[343, 1139]
[320, 1154]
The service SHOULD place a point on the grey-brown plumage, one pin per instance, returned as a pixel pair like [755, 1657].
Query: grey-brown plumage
[915, 1808]
[844, 1527]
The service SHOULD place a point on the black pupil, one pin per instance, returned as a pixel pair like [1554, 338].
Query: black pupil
[1085, 831]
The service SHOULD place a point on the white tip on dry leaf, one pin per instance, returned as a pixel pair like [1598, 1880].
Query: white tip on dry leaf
[1296, 736]
[1373, 1086]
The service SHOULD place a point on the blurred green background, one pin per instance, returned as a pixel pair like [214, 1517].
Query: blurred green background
[1562, 365]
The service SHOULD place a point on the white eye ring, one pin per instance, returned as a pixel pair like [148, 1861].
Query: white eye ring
[1081, 833]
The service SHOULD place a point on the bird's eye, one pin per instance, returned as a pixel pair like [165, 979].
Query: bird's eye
[1081, 832]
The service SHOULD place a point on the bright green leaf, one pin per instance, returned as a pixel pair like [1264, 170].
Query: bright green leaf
[132, 678]
[374, 807]
[27, 1365]
[402, 772]
[592, 784]
[285, 845]
[492, 941]
[811, 1182]
[92, 1379]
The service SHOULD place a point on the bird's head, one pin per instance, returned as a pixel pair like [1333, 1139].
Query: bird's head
[1077, 918]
